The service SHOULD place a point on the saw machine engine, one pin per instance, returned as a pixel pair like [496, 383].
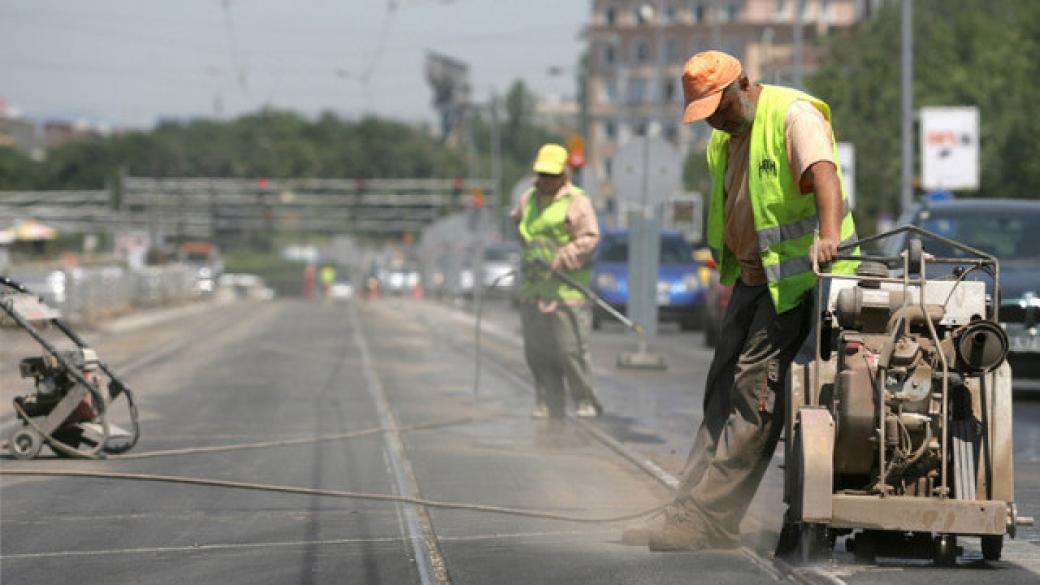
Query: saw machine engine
[899, 432]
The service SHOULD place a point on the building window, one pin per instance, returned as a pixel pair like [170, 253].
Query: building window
[671, 50]
[608, 169]
[610, 15]
[698, 12]
[781, 9]
[609, 54]
[642, 52]
[610, 91]
[639, 14]
[669, 91]
[827, 11]
[641, 127]
[671, 132]
[636, 90]
[610, 130]
[669, 13]
[731, 12]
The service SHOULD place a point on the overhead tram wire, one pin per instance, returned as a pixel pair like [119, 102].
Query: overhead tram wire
[236, 55]
[384, 33]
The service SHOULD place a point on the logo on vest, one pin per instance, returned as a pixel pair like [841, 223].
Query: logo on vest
[767, 166]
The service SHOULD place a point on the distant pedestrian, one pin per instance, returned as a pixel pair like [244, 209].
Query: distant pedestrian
[309, 272]
[328, 277]
[557, 225]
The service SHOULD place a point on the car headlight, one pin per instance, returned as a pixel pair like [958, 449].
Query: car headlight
[691, 282]
[606, 281]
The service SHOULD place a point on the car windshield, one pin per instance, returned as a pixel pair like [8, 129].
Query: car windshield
[1007, 234]
[614, 248]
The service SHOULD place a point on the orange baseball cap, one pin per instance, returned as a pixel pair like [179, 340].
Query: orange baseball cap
[703, 79]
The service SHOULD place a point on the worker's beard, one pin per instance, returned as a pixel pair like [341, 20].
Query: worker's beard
[743, 124]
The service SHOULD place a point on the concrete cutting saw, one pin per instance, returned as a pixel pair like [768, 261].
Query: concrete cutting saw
[898, 434]
[68, 408]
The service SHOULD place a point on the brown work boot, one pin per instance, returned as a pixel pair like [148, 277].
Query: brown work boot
[686, 531]
[639, 535]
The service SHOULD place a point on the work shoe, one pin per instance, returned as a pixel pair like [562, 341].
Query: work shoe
[639, 535]
[684, 531]
[586, 410]
[541, 410]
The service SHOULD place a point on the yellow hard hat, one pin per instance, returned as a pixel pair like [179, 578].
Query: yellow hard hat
[551, 160]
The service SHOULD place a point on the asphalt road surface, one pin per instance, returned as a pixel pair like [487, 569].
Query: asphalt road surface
[379, 398]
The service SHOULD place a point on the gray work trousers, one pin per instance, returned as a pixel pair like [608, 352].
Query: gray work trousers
[744, 405]
[556, 345]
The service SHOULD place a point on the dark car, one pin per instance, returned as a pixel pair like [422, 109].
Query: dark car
[680, 283]
[1010, 230]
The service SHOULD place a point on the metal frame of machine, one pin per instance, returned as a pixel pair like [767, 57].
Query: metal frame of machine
[68, 407]
[900, 429]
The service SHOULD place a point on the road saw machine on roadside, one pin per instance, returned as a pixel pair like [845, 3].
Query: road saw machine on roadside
[73, 390]
[898, 433]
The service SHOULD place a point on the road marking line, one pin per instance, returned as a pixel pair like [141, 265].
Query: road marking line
[285, 544]
[428, 559]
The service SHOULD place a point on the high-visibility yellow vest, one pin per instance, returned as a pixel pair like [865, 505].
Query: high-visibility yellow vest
[543, 232]
[785, 218]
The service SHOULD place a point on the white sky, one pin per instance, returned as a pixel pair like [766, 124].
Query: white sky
[133, 62]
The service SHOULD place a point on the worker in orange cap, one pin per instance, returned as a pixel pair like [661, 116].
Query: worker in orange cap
[775, 185]
[557, 225]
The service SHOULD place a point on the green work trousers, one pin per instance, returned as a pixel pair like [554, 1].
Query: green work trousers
[556, 345]
[744, 405]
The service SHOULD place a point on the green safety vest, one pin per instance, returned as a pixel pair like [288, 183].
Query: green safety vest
[543, 232]
[785, 218]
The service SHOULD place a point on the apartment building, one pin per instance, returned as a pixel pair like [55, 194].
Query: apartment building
[637, 48]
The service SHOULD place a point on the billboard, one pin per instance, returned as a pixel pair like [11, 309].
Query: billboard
[950, 148]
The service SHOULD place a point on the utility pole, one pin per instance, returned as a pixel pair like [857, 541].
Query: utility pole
[907, 61]
[799, 42]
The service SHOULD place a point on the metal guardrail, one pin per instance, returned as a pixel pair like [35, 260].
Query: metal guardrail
[91, 294]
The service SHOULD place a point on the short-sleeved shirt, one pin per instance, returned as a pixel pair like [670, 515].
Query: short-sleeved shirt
[807, 135]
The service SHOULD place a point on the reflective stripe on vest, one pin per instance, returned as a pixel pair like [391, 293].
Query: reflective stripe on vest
[797, 265]
[769, 237]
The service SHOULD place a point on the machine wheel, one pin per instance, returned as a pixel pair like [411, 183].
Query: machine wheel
[946, 550]
[915, 250]
[991, 547]
[25, 443]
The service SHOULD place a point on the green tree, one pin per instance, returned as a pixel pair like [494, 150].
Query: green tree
[979, 52]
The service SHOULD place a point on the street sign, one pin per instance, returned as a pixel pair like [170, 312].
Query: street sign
[847, 162]
[950, 148]
[648, 170]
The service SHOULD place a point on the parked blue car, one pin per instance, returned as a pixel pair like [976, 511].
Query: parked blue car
[681, 284]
